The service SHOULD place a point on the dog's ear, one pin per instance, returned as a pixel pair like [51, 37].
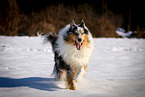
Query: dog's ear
[82, 24]
[72, 24]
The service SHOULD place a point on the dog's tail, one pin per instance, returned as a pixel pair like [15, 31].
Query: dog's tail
[49, 37]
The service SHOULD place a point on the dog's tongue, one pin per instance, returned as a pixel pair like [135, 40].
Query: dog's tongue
[78, 45]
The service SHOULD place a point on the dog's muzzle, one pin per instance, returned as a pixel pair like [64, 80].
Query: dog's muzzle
[78, 43]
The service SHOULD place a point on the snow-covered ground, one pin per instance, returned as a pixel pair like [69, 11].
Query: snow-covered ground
[116, 69]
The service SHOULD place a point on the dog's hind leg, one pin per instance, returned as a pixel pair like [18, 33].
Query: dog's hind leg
[57, 67]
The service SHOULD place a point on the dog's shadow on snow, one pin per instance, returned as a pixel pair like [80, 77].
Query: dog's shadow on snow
[47, 84]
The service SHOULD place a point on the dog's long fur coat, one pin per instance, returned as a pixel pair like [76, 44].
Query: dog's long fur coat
[72, 48]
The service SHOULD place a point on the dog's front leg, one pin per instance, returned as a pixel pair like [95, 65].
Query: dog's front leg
[80, 74]
[70, 79]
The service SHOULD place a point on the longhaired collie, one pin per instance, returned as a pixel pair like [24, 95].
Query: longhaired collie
[72, 49]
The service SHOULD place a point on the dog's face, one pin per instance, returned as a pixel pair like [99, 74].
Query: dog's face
[77, 35]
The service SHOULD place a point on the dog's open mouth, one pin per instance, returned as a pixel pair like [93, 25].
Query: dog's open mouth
[78, 45]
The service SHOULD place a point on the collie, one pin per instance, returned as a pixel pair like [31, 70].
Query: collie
[72, 49]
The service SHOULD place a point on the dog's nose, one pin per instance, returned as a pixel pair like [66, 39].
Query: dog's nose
[79, 39]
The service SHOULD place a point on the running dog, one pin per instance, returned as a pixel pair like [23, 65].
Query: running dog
[72, 48]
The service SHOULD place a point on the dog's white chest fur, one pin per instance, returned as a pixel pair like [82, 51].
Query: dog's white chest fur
[72, 56]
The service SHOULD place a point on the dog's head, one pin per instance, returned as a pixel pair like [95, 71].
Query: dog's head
[77, 35]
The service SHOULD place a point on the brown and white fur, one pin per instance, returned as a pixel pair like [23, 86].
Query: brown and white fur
[72, 48]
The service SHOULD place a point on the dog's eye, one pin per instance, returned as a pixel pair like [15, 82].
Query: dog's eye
[76, 33]
[82, 33]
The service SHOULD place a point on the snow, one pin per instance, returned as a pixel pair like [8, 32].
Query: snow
[116, 69]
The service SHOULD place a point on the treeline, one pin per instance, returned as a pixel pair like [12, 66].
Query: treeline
[54, 17]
